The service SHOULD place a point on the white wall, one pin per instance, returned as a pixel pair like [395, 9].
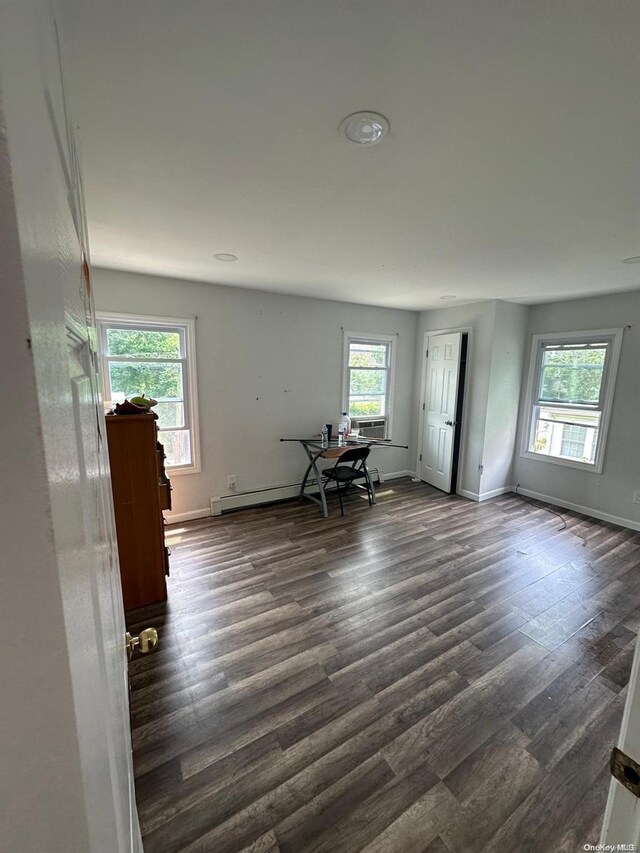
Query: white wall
[480, 318]
[507, 360]
[609, 493]
[268, 366]
[494, 371]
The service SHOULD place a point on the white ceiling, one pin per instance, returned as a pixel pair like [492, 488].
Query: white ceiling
[510, 171]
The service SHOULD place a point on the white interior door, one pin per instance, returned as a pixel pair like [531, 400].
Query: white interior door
[52, 275]
[84, 519]
[621, 824]
[440, 400]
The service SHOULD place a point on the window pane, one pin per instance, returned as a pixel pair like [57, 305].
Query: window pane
[177, 446]
[141, 343]
[566, 434]
[170, 414]
[367, 381]
[572, 375]
[367, 392]
[368, 355]
[162, 381]
[573, 441]
[361, 406]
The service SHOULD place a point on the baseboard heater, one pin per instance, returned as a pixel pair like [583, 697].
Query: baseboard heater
[270, 494]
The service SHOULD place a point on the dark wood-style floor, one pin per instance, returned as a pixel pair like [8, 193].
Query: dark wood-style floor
[429, 675]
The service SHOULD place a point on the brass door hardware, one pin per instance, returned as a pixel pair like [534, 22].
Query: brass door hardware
[145, 642]
[625, 770]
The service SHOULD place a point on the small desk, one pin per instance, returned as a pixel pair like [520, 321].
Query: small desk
[315, 449]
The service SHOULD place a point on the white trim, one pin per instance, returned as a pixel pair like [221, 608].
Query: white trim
[495, 493]
[190, 360]
[608, 382]
[363, 337]
[177, 517]
[583, 510]
[472, 496]
[486, 496]
[464, 429]
[224, 503]
[395, 475]
[589, 467]
[123, 316]
[270, 494]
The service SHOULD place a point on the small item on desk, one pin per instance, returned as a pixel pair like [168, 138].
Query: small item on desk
[340, 434]
[325, 435]
[329, 431]
[345, 423]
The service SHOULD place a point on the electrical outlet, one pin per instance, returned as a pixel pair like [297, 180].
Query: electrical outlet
[636, 496]
[231, 482]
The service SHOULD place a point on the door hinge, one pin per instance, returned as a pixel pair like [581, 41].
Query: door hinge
[625, 770]
[427, 355]
[421, 457]
[423, 406]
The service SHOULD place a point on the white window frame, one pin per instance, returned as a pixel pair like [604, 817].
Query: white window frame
[187, 328]
[370, 338]
[611, 336]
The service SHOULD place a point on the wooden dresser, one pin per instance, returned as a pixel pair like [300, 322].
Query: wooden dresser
[141, 490]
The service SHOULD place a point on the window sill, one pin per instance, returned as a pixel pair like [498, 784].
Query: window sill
[182, 469]
[588, 467]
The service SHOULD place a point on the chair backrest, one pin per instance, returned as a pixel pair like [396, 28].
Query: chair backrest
[354, 454]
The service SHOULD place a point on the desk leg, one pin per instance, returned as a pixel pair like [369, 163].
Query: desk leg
[306, 476]
[313, 467]
[323, 497]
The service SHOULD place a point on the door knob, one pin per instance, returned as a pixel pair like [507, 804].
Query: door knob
[145, 642]
[450, 423]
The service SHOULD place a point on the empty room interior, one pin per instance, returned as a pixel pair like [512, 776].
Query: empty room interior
[322, 463]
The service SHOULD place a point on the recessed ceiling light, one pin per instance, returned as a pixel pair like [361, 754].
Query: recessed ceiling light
[364, 128]
[223, 256]
[632, 260]
[448, 297]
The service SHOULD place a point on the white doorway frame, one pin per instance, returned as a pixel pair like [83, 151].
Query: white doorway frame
[465, 330]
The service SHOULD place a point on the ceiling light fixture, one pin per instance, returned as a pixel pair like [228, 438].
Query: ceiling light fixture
[364, 128]
[448, 297]
[635, 260]
[223, 256]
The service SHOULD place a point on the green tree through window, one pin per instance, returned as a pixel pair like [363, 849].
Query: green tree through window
[572, 375]
[151, 358]
[368, 377]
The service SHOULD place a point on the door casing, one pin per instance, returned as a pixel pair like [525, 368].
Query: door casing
[621, 824]
[465, 330]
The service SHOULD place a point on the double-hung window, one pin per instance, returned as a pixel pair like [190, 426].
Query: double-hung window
[155, 357]
[571, 386]
[368, 381]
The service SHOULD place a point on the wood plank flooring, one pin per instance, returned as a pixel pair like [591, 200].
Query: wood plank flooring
[430, 675]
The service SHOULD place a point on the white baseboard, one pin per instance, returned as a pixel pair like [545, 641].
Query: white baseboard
[178, 517]
[495, 493]
[270, 494]
[395, 475]
[485, 496]
[583, 510]
[224, 503]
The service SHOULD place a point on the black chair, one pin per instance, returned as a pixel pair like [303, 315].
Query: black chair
[345, 475]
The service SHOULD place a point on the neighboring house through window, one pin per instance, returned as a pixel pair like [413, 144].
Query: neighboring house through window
[368, 382]
[155, 357]
[571, 385]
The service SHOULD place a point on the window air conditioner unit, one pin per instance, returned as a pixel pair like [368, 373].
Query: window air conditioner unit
[372, 428]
